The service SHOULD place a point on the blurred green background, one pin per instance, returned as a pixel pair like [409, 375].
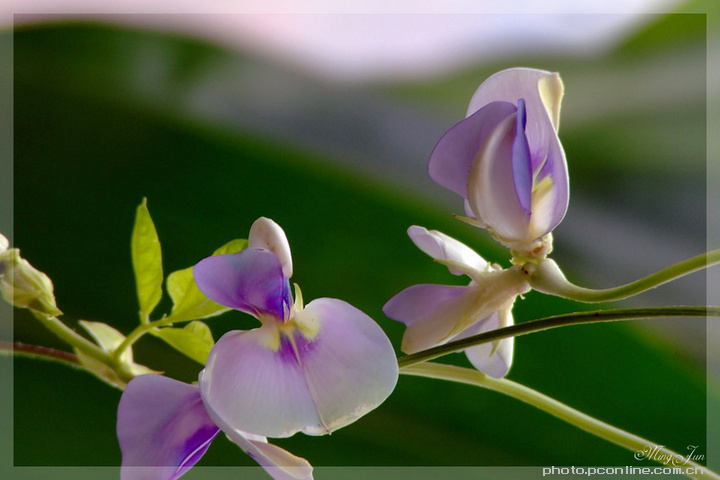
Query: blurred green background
[105, 115]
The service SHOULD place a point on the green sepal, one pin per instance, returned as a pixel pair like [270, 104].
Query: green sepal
[194, 341]
[147, 262]
[189, 302]
[109, 340]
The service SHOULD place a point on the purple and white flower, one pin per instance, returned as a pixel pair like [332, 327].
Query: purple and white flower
[311, 369]
[505, 159]
[437, 314]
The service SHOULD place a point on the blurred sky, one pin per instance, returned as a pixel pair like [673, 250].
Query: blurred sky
[364, 40]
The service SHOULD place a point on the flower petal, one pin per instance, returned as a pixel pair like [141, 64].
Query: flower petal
[487, 358]
[251, 281]
[252, 382]
[541, 91]
[436, 314]
[348, 362]
[265, 233]
[279, 463]
[521, 161]
[491, 186]
[334, 366]
[162, 427]
[442, 247]
[454, 153]
[430, 312]
[549, 210]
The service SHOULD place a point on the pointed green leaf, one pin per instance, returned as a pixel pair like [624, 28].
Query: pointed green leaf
[147, 262]
[188, 301]
[195, 340]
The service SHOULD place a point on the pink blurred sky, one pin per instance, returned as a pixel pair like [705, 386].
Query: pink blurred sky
[361, 40]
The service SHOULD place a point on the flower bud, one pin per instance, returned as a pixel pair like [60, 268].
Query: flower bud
[506, 161]
[23, 285]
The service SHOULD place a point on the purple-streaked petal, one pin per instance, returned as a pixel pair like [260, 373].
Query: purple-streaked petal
[252, 382]
[494, 363]
[267, 234]
[542, 92]
[521, 162]
[442, 247]
[349, 363]
[251, 281]
[335, 366]
[162, 427]
[491, 186]
[454, 153]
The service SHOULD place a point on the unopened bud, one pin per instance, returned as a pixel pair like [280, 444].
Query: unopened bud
[22, 285]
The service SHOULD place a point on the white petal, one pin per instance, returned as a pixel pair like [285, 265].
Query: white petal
[487, 358]
[265, 233]
[442, 247]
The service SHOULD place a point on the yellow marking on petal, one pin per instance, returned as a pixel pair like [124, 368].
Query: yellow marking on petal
[541, 187]
[269, 335]
[305, 323]
[543, 196]
[551, 92]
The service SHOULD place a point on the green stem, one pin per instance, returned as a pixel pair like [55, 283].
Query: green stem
[40, 353]
[139, 331]
[555, 322]
[546, 277]
[72, 338]
[553, 407]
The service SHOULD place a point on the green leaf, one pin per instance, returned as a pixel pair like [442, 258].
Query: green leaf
[108, 339]
[188, 301]
[233, 246]
[147, 262]
[195, 340]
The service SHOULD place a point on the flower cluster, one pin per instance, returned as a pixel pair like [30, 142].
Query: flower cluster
[315, 368]
[312, 368]
[506, 161]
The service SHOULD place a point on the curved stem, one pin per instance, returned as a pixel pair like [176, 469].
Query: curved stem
[40, 353]
[546, 277]
[585, 422]
[555, 322]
